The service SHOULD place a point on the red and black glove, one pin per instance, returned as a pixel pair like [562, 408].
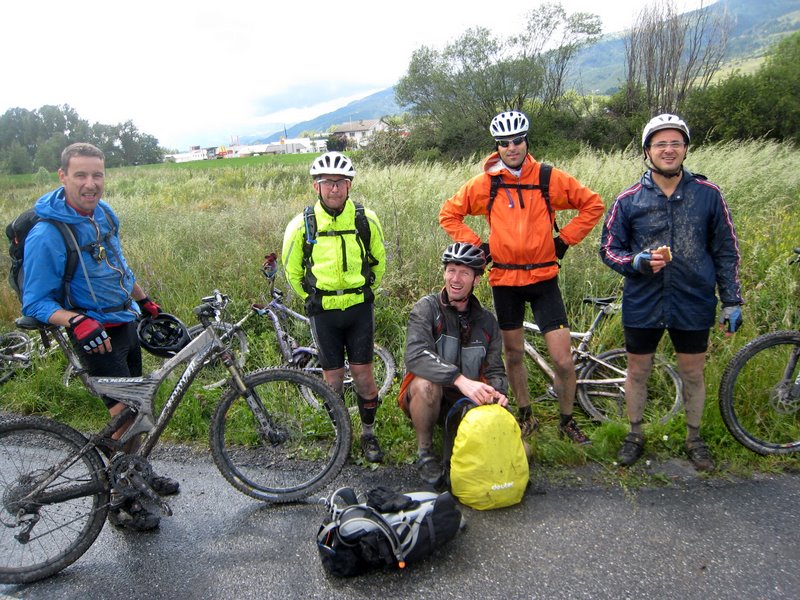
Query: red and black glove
[149, 306]
[89, 333]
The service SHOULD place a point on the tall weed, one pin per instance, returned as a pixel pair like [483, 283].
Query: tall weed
[188, 229]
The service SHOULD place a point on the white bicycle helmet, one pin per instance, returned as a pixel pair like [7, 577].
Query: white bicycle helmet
[465, 254]
[332, 163]
[665, 121]
[509, 123]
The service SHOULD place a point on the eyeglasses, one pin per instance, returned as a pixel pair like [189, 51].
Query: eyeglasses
[333, 183]
[670, 145]
[506, 143]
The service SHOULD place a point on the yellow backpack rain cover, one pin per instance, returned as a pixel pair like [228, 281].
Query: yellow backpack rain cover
[488, 466]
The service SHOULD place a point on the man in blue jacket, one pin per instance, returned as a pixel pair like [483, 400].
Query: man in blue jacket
[102, 303]
[671, 235]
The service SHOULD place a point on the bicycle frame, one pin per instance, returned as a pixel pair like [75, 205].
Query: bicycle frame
[580, 352]
[138, 393]
[278, 314]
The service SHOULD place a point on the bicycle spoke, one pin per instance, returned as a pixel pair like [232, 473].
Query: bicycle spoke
[286, 450]
[37, 541]
[760, 395]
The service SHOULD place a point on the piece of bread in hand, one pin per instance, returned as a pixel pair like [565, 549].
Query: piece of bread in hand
[665, 253]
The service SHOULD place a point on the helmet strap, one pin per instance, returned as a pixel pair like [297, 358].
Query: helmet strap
[668, 174]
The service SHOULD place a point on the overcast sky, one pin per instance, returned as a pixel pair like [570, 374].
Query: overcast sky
[199, 72]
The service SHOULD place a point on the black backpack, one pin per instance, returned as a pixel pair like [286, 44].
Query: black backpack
[389, 529]
[18, 230]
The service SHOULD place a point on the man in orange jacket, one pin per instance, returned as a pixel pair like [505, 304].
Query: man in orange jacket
[525, 254]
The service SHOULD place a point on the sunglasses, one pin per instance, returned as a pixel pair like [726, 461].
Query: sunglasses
[506, 143]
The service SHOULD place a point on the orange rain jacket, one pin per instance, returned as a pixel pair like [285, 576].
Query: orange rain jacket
[521, 230]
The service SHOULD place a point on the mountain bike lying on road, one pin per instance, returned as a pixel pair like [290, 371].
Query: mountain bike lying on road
[56, 483]
[759, 393]
[295, 355]
[601, 377]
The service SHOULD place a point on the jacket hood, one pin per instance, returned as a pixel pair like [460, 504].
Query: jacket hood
[53, 205]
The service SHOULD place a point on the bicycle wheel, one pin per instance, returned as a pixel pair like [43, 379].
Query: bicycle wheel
[271, 445]
[759, 394]
[215, 375]
[13, 342]
[383, 368]
[601, 388]
[41, 537]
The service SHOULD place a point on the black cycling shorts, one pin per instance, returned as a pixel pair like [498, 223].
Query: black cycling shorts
[545, 301]
[338, 331]
[644, 340]
[124, 360]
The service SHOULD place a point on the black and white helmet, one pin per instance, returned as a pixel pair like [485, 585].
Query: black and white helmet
[665, 121]
[163, 335]
[465, 254]
[332, 163]
[509, 123]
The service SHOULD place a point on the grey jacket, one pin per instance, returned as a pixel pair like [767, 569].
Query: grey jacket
[434, 350]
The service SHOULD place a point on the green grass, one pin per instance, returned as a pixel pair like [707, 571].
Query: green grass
[189, 228]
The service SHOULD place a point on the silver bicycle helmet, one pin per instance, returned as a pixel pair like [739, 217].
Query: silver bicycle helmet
[465, 254]
[509, 123]
[665, 121]
[332, 163]
[163, 335]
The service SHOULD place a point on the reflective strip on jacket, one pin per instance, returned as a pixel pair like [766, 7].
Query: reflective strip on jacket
[521, 230]
[696, 224]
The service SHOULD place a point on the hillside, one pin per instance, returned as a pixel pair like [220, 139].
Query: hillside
[600, 68]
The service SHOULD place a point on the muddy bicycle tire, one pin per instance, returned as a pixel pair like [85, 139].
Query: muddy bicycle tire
[604, 398]
[384, 369]
[759, 399]
[309, 447]
[29, 449]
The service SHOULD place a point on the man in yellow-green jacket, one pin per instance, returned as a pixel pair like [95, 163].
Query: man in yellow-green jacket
[334, 258]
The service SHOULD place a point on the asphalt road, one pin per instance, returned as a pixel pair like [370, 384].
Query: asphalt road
[694, 538]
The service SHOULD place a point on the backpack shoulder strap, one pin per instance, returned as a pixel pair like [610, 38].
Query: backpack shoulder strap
[364, 232]
[545, 170]
[71, 244]
[496, 179]
[310, 237]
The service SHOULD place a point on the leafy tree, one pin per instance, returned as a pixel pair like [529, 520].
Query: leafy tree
[48, 154]
[457, 91]
[43, 133]
[15, 159]
[766, 104]
[336, 142]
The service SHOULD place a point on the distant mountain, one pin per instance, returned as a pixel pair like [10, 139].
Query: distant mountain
[375, 106]
[757, 26]
[599, 68]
